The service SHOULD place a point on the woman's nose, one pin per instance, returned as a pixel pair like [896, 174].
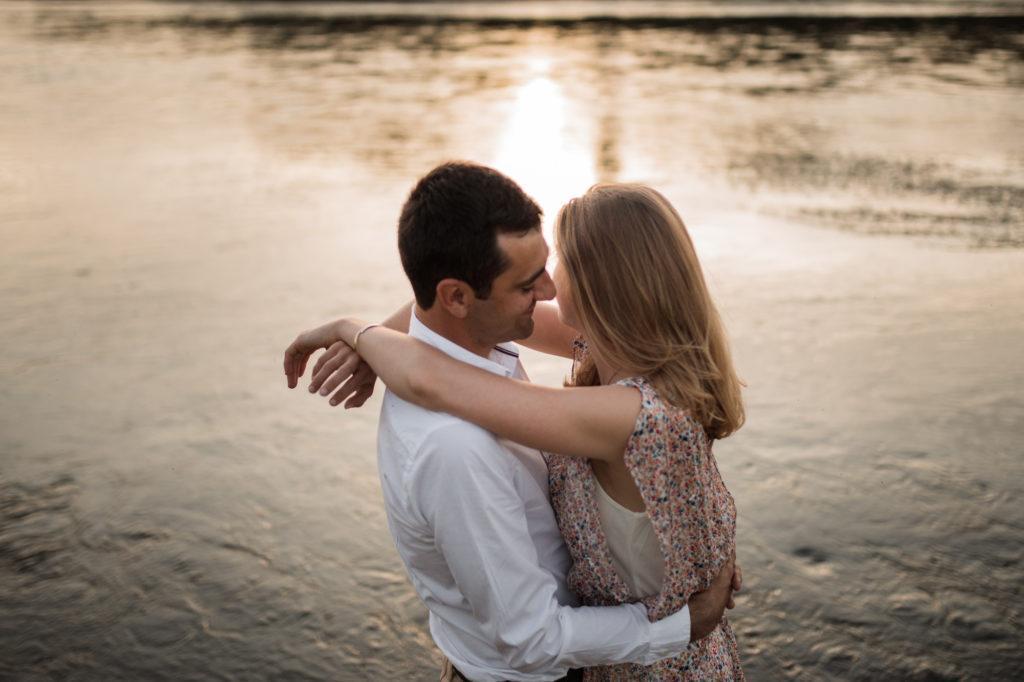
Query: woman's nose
[545, 289]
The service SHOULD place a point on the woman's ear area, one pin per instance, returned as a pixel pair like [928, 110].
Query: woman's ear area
[455, 296]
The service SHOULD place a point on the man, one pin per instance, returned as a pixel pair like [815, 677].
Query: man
[469, 513]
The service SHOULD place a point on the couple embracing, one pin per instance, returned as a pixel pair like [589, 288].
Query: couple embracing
[553, 533]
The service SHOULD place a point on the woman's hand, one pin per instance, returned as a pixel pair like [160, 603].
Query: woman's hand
[305, 344]
[340, 365]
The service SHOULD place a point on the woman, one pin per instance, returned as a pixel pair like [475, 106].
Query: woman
[638, 496]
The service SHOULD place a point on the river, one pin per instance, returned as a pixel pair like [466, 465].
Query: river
[185, 186]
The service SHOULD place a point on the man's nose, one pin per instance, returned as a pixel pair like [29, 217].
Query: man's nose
[545, 289]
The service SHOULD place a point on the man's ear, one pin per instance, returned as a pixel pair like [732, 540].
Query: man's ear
[455, 296]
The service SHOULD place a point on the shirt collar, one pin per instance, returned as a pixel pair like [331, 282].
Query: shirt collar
[503, 358]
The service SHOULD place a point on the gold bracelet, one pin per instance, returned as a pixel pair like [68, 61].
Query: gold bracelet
[355, 341]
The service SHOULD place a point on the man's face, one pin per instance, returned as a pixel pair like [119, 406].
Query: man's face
[507, 314]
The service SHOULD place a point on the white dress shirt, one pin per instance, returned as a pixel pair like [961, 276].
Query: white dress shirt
[473, 524]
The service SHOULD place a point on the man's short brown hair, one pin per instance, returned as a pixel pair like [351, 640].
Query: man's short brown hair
[450, 224]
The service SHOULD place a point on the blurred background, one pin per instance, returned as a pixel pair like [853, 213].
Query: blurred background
[186, 186]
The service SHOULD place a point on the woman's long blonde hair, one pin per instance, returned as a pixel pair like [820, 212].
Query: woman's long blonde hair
[642, 301]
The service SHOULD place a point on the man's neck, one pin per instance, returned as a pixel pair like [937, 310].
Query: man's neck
[440, 322]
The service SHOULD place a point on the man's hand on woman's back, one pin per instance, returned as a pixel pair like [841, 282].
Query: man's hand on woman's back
[706, 608]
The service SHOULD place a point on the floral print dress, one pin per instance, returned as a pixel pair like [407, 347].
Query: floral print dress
[693, 516]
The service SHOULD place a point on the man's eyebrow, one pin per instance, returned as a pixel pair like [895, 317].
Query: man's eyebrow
[527, 282]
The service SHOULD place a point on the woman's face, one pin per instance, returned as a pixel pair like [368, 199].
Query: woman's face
[563, 294]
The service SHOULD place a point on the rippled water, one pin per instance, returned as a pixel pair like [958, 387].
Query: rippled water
[185, 186]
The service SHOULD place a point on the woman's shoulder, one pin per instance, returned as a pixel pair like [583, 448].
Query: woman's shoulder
[667, 443]
[650, 396]
[655, 409]
[642, 383]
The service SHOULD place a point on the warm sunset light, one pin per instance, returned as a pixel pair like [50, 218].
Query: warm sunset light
[196, 198]
[545, 143]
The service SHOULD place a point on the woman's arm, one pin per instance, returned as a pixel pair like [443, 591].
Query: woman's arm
[340, 366]
[550, 335]
[340, 374]
[593, 422]
[399, 320]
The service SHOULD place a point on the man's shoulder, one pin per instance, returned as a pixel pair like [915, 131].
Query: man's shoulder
[462, 444]
[438, 436]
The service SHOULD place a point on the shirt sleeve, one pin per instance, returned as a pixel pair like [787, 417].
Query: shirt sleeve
[465, 489]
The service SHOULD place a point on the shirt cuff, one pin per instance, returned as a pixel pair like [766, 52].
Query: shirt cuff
[669, 636]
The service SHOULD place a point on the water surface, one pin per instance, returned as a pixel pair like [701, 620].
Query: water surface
[186, 186]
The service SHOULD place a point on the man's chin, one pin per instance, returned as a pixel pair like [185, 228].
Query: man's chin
[523, 330]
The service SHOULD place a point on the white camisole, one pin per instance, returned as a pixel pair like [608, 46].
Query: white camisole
[634, 547]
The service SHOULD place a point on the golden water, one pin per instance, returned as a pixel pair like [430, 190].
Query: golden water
[184, 187]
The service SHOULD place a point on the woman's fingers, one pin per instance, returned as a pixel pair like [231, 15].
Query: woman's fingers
[349, 387]
[338, 366]
[364, 381]
[325, 364]
[359, 397]
[357, 389]
[307, 343]
[333, 351]
[296, 356]
[324, 357]
[334, 370]
[332, 374]
[294, 362]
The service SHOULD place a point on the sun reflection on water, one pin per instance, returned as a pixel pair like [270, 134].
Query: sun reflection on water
[543, 147]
